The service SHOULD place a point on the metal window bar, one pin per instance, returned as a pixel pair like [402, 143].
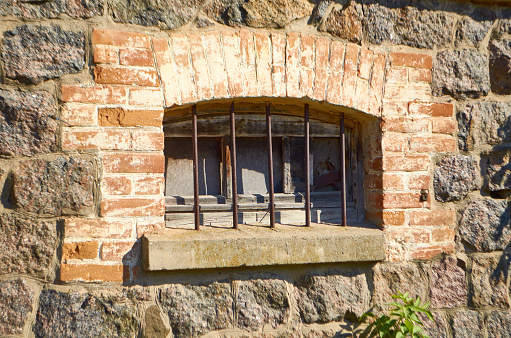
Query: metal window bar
[271, 202]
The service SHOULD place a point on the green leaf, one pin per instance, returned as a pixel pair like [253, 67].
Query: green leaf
[416, 329]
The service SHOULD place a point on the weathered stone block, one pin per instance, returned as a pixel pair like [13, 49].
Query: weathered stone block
[322, 299]
[258, 13]
[484, 123]
[196, 310]
[407, 26]
[499, 324]
[27, 245]
[154, 325]
[35, 54]
[16, 298]
[455, 176]
[472, 29]
[63, 186]
[497, 169]
[345, 23]
[261, 302]
[437, 328]
[27, 126]
[168, 15]
[500, 66]
[448, 285]
[82, 314]
[489, 279]
[51, 9]
[468, 324]
[461, 74]
[391, 278]
[485, 224]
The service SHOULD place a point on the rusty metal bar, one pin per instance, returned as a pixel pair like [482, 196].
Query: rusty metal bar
[343, 170]
[234, 183]
[195, 169]
[270, 166]
[307, 168]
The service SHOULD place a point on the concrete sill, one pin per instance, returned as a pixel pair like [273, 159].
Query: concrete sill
[180, 249]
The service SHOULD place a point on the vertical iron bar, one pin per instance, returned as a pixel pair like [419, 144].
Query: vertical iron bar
[195, 169]
[233, 171]
[307, 168]
[343, 170]
[270, 166]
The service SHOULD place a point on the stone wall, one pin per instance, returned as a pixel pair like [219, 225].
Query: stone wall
[82, 95]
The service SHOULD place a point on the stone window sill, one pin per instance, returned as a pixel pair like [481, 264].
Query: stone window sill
[213, 247]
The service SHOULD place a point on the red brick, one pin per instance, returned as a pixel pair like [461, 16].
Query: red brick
[160, 45]
[149, 185]
[405, 124]
[443, 125]
[437, 143]
[350, 74]
[216, 64]
[97, 94]
[322, 52]
[433, 217]
[402, 200]
[405, 162]
[91, 272]
[97, 228]
[145, 226]
[200, 67]
[393, 181]
[79, 114]
[431, 109]
[376, 87]
[116, 251]
[133, 163]
[397, 142]
[414, 60]
[426, 253]
[448, 248]
[146, 97]
[126, 76]
[337, 56]
[307, 51]
[407, 92]
[394, 108]
[376, 164]
[279, 80]
[307, 82]
[334, 87]
[147, 140]
[263, 59]
[395, 218]
[81, 250]
[95, 139]
[105, 54]
[293, 64]
[132, 207]
[121, 117]
[120, 38]
[136, 57]
[418, 181]
[373, 181]
[116, 185]
[443, 235]
[374, 200]
[397, 75]
[320, 84]
[362, 95]
[231, 48]
[420, 75]
[278, 43]
[365, 64]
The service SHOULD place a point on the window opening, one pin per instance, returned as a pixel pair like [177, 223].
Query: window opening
[226, 172]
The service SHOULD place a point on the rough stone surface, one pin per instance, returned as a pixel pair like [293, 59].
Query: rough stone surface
[489, 274]
[321, 299]
[391, 278]
[82, 314]
[500, 66]
[505, 22]
[407, 26]
[319, 11]
[196, 310]
[261, 302]
[51, 9]
[437, 328]
[485, 224]
[468, 324]
[461, 74]
[26, 123]
[447, 283]
[472, 29]
[497, 169]
[455, 176]
[484, 123]
[56, 187]
[345, 23]
[16, 299]
[27, 245]
[154, 326]
[499, 324]
[258, 13]
[35, 54]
